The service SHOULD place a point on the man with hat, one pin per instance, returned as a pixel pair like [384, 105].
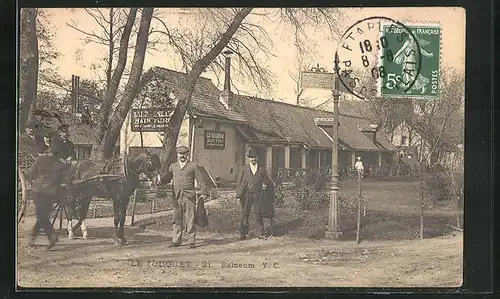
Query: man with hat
[47, 175]
[252, 188]
[184, 173]
[68, 148]
[30, 141]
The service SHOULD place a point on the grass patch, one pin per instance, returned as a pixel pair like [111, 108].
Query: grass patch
[392, 213]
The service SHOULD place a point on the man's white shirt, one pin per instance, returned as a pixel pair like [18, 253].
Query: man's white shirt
[358, 166]
[253, 168]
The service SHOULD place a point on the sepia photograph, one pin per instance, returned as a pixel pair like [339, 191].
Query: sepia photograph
[240, 147]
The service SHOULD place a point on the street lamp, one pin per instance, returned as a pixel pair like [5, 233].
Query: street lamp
[334, 229]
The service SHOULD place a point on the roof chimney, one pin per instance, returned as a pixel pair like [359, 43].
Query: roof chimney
[226, 94]
[75, 94]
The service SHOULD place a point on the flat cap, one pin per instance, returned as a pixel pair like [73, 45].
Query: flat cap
[182, 149]
[251, 152]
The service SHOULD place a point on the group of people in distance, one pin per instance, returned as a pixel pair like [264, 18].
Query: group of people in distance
[254, 188]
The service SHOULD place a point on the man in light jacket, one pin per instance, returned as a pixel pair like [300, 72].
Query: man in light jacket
[184, 173]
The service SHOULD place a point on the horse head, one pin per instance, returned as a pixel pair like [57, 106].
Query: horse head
[146, 163]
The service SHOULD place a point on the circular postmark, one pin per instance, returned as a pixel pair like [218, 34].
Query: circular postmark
[372, 46]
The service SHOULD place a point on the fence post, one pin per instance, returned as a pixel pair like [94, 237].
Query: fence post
[421, 200]
[133, 208]
[455, 195]
[358, 227]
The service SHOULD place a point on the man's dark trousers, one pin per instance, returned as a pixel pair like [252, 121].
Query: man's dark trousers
[249, 199]
[43, 204]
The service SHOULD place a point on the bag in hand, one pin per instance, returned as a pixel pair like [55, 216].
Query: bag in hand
[201, 214]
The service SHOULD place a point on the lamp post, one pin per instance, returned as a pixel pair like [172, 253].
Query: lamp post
[318, 77]
[334, 229]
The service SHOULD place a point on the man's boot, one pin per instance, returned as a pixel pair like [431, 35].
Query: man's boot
[52, 241]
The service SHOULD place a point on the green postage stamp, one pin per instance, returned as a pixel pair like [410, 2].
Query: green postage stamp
[413, 70]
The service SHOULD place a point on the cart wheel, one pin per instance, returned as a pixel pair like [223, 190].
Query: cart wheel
[57, 210]
[22, 195]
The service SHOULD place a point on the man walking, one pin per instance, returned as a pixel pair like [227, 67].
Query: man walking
[251, 185]
[184, 173]
[47, 175]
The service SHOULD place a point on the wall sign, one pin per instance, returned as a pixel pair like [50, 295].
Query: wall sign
[149, 120]
[215, 139]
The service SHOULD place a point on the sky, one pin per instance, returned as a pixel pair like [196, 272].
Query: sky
[78, 58]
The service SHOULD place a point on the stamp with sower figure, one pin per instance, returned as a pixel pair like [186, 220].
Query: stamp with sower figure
[378, 56]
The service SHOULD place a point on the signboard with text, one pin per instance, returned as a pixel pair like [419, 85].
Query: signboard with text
[149, 120]
[215, 140]
[322, 80]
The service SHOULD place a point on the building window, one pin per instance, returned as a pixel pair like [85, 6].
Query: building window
[404, 140]
[217, 126]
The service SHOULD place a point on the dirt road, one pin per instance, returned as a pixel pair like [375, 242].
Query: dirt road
[222, 261]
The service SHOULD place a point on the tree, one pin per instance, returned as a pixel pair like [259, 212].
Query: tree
[116, 27]
[28, 65]
[441, 122]
[45, 35]
[300, 64]
[109, 131]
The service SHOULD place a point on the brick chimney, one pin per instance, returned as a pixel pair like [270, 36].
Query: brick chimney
[225, 95]
[75, 94]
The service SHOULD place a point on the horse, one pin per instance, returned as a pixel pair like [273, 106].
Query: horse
[117, 188]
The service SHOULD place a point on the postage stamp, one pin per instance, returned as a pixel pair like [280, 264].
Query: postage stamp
[406, 67]
[361, 51]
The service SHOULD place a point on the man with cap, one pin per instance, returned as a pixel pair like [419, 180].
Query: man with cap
[48, 175]
[184, 173]
[68, 148]
[30, 141]
[251, 185]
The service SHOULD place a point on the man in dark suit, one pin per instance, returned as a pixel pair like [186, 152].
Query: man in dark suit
[67, 153]
[252, 186]
[31, 142]
[48, 175]
[184, 173]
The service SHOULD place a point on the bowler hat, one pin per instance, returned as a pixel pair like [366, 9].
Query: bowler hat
[251, 152]
[31, 123]
[182, 149]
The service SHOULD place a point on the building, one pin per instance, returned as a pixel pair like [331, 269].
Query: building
[219, 126]
[407, 138]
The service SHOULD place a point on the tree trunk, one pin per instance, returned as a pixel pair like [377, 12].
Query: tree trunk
[111, 47]
[112, 88]
[28, 65]
[174, 125]
[132, 87]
